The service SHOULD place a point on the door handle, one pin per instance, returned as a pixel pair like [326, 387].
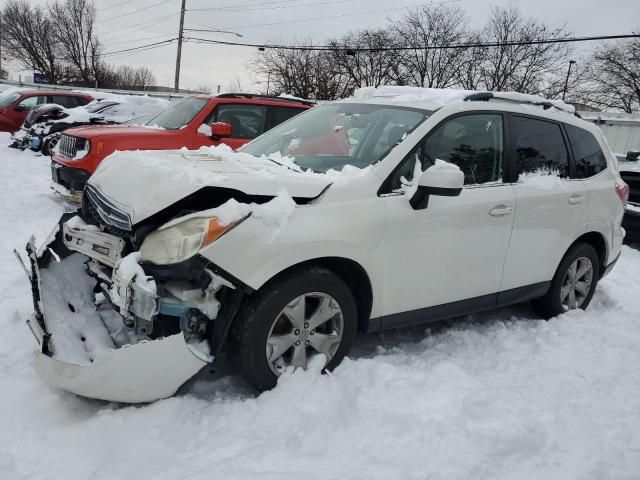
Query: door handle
[500, 211]
[576, 199]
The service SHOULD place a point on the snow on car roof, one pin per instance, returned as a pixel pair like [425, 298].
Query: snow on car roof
[433, 98]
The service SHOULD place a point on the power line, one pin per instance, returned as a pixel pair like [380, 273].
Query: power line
[114, 6]
[422, 47]
[262, 8]
[147, 24]
[240, 27]
[135, 11]
[239, 6]
[155, 44]
[141, 39]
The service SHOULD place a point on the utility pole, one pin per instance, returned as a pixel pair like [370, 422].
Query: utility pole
[566, 82]
[176, 85]
[0, 45]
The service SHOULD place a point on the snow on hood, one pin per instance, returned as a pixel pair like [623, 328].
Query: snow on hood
[150, 181]
[439, 97]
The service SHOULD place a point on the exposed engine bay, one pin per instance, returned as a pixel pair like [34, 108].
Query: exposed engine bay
[96, 305]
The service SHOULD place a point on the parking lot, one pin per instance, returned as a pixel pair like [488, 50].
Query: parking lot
[500, 395]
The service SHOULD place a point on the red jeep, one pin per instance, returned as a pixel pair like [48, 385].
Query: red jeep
[14, 106]
[193, 122]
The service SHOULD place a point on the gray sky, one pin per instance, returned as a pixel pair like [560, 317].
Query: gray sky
[214, 65]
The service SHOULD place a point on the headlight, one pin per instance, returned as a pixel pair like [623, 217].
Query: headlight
[82, 148]
[176, 242]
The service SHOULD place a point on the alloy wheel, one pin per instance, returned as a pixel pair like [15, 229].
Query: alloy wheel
[576, 284]
[309, 325]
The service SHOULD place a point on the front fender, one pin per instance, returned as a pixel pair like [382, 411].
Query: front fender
[255, 253]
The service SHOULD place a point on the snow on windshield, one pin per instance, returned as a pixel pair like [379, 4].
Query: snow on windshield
[330, 137]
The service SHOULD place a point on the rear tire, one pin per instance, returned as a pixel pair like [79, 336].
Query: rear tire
[574, 283]
[283, 325]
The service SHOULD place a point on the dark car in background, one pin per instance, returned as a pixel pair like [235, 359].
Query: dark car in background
[630, 173]
[16, 105]
[44, 125]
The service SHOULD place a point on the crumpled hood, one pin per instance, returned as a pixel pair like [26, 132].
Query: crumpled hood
[146, 182]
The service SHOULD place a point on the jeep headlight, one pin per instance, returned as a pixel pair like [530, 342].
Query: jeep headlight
[175, 242]
[82, 148]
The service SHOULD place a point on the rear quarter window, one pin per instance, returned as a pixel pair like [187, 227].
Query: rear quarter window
[588, 155]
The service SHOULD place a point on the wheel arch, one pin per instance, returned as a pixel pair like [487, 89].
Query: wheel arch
[597, 241]
[351, 272]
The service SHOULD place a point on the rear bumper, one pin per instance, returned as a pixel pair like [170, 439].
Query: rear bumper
[85, 349]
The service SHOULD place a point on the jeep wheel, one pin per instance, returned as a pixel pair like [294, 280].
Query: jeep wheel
[574, 283]
[291, 320]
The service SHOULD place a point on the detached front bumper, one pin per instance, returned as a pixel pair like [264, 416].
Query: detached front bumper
[86, 349]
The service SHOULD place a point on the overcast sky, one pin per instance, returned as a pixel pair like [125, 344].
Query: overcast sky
[123, 24]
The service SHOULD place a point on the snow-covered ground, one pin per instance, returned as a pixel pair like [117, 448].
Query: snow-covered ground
[495, 396]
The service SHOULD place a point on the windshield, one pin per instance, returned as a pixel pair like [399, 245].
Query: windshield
[8, 99]
[179, 113]
[332, 136]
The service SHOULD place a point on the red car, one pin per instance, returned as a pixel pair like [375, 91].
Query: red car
[193, 122]
[14, 106]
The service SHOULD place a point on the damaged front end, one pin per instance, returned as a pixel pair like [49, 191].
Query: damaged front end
[112, 328]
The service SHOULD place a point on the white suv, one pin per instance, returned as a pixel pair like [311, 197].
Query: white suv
[364, 214]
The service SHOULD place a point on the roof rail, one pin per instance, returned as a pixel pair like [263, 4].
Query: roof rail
[265, 97]
[486, 96]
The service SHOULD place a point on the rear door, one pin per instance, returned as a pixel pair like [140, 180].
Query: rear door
[277, 115]
[551, 208]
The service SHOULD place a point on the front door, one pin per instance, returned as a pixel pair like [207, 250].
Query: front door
[455, 248]
[247, 122]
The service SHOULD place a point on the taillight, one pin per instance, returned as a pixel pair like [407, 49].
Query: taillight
[622, 189]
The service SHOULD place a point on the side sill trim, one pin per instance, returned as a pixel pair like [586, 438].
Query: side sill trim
[459, 308]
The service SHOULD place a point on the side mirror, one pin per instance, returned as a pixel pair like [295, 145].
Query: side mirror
[20, 108]
[220, 130]
[443, 179]
[632, 156]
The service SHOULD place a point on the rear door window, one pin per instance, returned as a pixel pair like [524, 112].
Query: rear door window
[588, 156]
[247, 121]
[539, 146]
[64, 101]
[277, 115]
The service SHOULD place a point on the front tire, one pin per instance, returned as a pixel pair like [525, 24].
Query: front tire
[574, 283]
[49, 144]
[291, 320]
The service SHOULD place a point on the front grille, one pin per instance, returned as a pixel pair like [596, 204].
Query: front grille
[68, 146]
[107, 212]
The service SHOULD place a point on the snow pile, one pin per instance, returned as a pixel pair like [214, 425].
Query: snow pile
[439, 97]
[542, 179]
[205, 130]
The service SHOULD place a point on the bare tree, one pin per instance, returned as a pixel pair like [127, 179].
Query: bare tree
[27, 37]
[73, 31]
[365, 57]
[304, 73]
[516, 65]
[613, 77]
[425, 28]
[235, 85]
